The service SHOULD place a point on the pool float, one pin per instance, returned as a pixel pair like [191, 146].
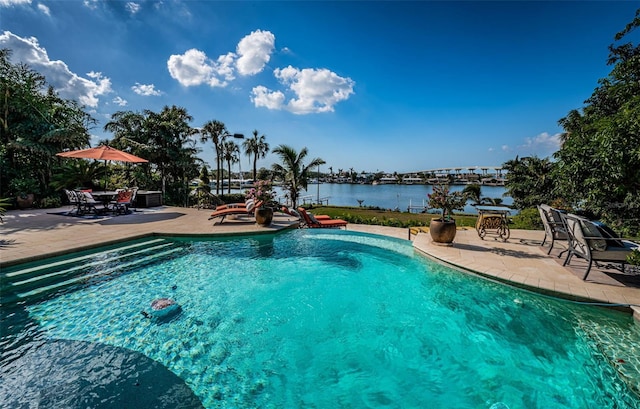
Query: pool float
[163, 309]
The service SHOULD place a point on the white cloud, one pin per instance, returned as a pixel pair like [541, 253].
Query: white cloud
[91, 4]
[195, 68]
[313, 90]
[262, 97]
[316, 90]
[146, 90]
[9, 3]
[68, 84]
[543, 141]
[120, 101]
[44, 9]
[254, 52]
[132, 7]
[506, 148]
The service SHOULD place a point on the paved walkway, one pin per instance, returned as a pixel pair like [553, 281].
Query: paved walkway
[32, 234]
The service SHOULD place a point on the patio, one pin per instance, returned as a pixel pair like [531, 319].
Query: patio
[37, 233]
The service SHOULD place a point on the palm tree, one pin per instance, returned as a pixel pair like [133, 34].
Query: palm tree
[293, 171]
[231, 154]
[473, 192]
[257, 148]
[217, 132]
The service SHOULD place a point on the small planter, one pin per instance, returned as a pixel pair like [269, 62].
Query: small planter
[442, 232]
[264, 216]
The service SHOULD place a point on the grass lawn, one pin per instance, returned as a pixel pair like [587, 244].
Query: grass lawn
[363, 215]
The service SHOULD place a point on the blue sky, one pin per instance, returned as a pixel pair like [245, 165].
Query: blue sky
[369, 85]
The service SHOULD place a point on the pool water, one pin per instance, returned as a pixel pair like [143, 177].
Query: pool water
[329, 319]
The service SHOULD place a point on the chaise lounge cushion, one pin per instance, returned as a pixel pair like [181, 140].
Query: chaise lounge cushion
[594, 237]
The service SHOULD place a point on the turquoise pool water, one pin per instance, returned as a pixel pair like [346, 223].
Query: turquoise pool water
[317, 319]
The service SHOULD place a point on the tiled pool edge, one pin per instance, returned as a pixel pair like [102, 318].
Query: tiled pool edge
[623, 307]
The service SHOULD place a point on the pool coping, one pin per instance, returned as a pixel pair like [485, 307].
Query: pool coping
[540, 273]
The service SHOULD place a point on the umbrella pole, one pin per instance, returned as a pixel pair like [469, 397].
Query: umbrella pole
[106, 175]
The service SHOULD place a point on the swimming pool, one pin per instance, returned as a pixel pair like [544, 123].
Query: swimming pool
[322, 319]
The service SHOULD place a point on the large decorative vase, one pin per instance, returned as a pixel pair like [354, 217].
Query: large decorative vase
[264, 216]
[442, 232]
[25, 201]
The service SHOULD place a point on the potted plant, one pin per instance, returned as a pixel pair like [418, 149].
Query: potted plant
[443, 229]
[262, 195]
[25, 189]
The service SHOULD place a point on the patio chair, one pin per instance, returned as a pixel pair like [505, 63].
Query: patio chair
[134, 195]
[554, 227]
[590, 242]
[122, 202]
[232, 211]
[74, 201]
[90, 205]
[312, 222]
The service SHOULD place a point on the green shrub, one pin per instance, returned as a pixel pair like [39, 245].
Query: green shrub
[232, 198]
[50, 202]
[528, 219]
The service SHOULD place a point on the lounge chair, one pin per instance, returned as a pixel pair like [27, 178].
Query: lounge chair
[593, 243]
[295, 213]
[554, 227]
[312, 222]
[235, 211]
[247, 203]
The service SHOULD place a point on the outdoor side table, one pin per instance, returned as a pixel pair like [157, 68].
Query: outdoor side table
[493, 220]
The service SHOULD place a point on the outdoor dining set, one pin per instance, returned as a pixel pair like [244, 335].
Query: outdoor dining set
[117, 202]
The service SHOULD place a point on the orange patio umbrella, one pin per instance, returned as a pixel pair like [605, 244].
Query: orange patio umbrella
[103, 152]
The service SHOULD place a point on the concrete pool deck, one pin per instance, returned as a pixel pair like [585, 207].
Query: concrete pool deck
[31, 234]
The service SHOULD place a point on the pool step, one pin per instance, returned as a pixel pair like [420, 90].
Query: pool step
[40, 280]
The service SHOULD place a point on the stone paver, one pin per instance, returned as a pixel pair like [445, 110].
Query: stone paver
[32, 234]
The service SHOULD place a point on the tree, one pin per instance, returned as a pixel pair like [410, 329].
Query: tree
[598, 164]
[292, 170]
[529, 181]
[473, 192]
[256, 148]
[231, 154]
[165, 138]
[217, 132]
[35, 124]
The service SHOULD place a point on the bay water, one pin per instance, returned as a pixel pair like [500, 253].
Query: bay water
[386, 196]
